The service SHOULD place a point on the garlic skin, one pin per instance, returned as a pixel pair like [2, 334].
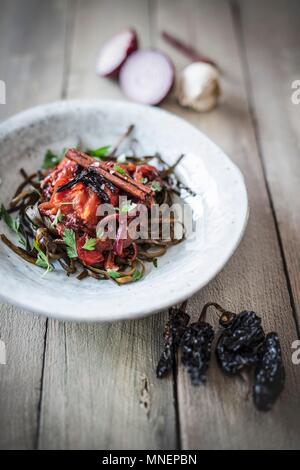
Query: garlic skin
[199, 86]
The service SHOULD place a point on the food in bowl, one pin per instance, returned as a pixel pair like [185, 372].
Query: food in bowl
[91, 212]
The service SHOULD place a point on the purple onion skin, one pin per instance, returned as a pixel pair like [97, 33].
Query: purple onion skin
[132, 47]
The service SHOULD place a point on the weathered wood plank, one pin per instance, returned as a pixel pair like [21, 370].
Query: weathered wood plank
[100, 389]
[31, 58]
[219, 415]
[271, 39]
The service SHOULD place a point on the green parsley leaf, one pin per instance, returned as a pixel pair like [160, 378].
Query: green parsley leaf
[136, 275]
[90, 244]
[127, 207]
[22, 241]
[13, 224]
[70, 241]
[144, 180]
[99, 152]
[113, 273]
[154, 261]
[119, 169]
[58, 218]
[156, 186]
[42, 260]
[50, 160]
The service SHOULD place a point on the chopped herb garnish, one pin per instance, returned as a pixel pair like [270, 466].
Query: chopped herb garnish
[90, 244]
[156, 186]
[127, 207]
[58, 218]
[42, 259]
[13, 224]
[113, 273]
[70, 240]
[144, 180]
[50, 159]
[136, 275]
[154, 261]
[99, 152]
[119, 169]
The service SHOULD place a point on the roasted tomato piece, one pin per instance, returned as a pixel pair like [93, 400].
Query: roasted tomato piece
[88, 210]
[88, 257]
[79, 203]
[61, 174]
[113, 196]
[78, 200]
[94, 256]
[145, 171]
[131, 167]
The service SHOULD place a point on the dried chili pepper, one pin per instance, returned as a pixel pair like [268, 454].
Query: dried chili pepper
[196, 350]
[269, 374]
[173, 332]
[238, 344]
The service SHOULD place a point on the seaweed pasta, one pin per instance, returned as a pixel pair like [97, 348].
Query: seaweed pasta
[54, 212]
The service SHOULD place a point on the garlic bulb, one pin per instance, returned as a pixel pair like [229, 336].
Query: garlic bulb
[199, 86]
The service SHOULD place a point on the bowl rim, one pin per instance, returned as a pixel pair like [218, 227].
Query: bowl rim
[29, 116]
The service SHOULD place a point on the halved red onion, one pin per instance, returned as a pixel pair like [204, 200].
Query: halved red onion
[121, 238]
[115, 51]
[147, 76]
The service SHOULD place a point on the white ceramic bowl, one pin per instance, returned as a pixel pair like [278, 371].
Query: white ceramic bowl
[221, 208]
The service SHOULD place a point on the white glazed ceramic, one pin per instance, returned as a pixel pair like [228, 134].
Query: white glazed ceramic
[221, 208]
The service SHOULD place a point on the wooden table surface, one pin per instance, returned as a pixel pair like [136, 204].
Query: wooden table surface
[68, 385]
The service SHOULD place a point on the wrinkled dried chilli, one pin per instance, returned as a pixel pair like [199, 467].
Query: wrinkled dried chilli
[241, 346]
[173, 332]
[241, 336]
[196, 350]
[269, 376]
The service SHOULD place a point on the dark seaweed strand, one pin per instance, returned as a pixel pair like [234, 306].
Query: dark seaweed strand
[94, 184]
[101, 180]
[92, 179]
[68, 185]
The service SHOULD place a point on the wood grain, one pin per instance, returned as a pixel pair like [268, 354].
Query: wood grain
[271, 49]
[100, 389]
[93, 386]
[220, 415]
[31, 58]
